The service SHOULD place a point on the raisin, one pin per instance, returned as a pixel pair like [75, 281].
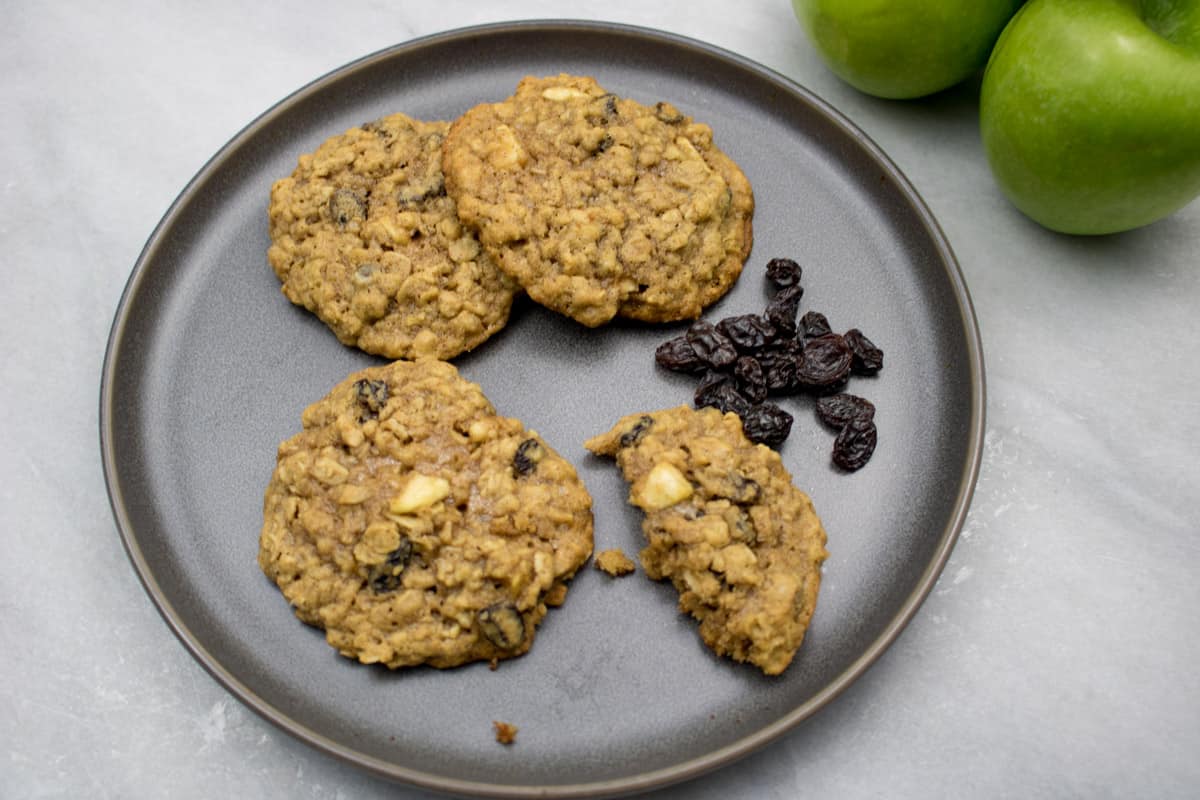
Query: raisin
[746, 491]
[385, 577]
[868, 358]
[781, 310]
[383, 582]
[412, 195]
[502, 625]
[601, 110]
[371, 396]
[678, 354]
[826, 362]
[605, 142]
[712, 378]
[717, 390]
[766, 423]
[635, 434]
[525, 460]
[610, 104]
[838, 409]
[742, 529]
[711, 346]
[346, 206]
[377, 127]
[750, 379]
[814, 324]
[783, 272]
[779, 367]
[855, 443]
[667, 113]
[748, 332]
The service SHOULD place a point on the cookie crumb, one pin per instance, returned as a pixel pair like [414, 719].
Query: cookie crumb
[505, 733]
[555, 595]
[614, 562]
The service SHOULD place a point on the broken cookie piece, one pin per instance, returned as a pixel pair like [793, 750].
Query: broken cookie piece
[724, 523]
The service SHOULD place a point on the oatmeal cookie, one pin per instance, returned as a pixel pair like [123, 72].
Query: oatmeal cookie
[723, 521]
[416, 526]
[364, 236]
[599, 205]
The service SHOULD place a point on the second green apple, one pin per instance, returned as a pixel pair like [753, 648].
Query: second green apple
[1090, 112]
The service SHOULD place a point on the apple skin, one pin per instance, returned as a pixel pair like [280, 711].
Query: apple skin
[1090, 112]
[900, 49]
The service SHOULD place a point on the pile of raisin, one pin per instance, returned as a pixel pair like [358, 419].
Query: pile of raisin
[742, 360]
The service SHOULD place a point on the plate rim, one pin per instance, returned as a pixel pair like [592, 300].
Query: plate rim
[689, 768]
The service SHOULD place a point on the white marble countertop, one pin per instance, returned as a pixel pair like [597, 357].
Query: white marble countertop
[1056, 656]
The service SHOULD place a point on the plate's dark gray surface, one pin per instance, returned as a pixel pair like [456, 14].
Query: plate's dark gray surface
[209, 367]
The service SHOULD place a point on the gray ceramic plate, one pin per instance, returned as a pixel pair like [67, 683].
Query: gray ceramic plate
[209, 367]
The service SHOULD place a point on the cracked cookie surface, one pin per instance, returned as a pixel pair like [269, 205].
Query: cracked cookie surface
[599, 205]
[723, 521]
[364, 236]
[416, 526]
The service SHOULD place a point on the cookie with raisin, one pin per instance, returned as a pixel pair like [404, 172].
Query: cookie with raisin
[364, 236]
[599, 205]
[725, 524]
[415, 525]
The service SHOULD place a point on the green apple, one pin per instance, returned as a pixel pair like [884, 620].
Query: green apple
[904, 48]
[1090, 112]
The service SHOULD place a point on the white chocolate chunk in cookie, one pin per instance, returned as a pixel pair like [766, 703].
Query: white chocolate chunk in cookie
[419, 492]
[663, 486]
